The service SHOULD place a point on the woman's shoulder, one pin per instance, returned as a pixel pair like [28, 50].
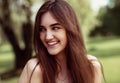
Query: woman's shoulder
[33, 65]
[94, 60]
[97, 67]
[33, 69]
[91, 57]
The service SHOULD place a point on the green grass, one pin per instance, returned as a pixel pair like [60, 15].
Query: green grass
[106, 47]
[6, 58]
[111, 67]
[6, 62]
[107, 50]
[11, 80]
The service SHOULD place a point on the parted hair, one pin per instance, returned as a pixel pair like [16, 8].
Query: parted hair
[81, 69]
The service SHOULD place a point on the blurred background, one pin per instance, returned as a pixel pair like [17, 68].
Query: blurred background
[99, 20]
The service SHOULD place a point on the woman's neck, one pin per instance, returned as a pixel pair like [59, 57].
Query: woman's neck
[61, 59]
[64, 74]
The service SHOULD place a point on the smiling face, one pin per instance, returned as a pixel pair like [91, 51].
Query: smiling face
[52, 34]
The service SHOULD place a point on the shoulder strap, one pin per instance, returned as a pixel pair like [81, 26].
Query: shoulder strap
[33, 72]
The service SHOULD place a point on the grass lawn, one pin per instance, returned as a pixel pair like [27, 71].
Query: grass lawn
[107, 50]
[7, 62]
[111, 67]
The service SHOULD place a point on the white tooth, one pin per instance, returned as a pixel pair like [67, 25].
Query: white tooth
[51, 43]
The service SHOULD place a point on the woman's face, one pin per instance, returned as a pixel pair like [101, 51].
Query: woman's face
[52, 34]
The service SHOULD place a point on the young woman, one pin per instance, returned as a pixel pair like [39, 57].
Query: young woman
[61, 56]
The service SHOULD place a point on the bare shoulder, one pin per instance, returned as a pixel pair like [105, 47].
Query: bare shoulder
[94, 61]
[35, 69]
[32, 63]
[97, 68]
[31, 68]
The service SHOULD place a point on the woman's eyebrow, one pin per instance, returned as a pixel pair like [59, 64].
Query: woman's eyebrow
[42, 26]
[55, 24]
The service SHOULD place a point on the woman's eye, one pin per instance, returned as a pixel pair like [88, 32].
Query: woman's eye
[55, 28]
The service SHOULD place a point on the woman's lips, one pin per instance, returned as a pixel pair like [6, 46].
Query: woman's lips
[52, 43]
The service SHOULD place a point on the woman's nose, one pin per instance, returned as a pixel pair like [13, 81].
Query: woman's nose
[49, 35]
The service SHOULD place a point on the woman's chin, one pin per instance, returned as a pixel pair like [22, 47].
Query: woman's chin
[53, 53]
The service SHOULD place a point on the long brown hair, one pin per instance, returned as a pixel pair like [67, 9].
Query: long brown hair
[81, 69]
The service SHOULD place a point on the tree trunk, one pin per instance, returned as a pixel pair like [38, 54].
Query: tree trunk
[21, 55]
[24, 55]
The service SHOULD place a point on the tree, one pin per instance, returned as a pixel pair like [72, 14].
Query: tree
[85, 15]
[109, 17]
[21, 54]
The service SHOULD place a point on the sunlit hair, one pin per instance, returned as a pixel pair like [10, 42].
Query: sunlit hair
[81, 69]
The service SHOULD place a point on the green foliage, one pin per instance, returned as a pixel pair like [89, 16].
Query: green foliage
[113, 3]
[109, 17]
[85, 15]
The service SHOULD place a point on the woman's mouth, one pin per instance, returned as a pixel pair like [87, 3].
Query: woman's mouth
[52, 43]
